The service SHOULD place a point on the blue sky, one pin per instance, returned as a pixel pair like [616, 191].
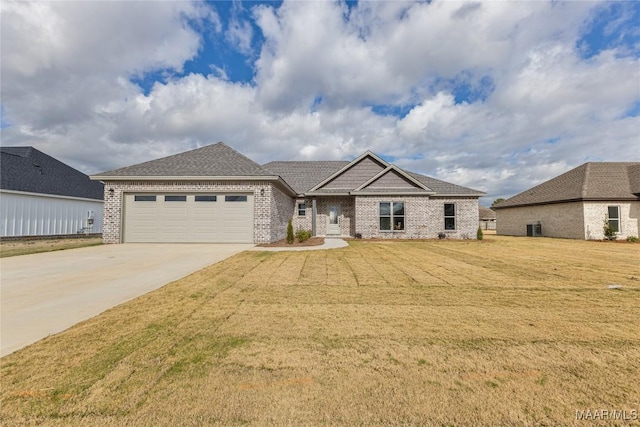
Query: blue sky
[497, 96]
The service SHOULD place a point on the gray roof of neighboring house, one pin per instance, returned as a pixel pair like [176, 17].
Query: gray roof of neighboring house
[486, 213]
[212, 160]
[32, 171]
[590, 181]
[304, 175]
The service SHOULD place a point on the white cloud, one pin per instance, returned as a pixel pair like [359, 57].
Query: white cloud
[240, 35]
[66, 69]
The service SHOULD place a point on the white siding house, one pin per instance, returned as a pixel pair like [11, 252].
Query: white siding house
[31, 214]
[41, 196]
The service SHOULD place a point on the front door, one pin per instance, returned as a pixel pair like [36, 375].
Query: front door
[333, 220]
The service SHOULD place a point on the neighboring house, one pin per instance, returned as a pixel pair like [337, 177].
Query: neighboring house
[215, 194]
[40, 196]
[576, 204]
[487, 218]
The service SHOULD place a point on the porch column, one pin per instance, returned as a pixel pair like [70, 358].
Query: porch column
[313, 216]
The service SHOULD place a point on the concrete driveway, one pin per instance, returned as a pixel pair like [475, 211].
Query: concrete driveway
[43, 294]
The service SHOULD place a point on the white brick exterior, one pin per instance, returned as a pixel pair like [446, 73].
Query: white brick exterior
[302, 222]
[271, 209]
[595, 214]
[424, 217]
[573, 220]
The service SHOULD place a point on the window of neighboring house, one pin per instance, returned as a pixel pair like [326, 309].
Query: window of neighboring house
[613, 213]
[391, 216]
[206, 198]
[175, 198]
[302, 209]
[235, 198]
[145, 198]
[449, 216]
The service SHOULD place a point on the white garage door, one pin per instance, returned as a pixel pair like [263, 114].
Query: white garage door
[183, 218]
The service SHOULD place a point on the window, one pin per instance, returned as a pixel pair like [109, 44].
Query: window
[235, 198]
[302, 209]
[449, 216]
[391, 216]
[145, 198]
[613, 214]
[203, 198]
[175, 198]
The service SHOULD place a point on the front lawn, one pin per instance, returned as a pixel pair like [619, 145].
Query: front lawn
[33, 246]
[506, 331]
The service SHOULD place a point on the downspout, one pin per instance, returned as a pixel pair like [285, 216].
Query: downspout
[313, 216]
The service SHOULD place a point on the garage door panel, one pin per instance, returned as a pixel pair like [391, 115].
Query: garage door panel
[210, 219]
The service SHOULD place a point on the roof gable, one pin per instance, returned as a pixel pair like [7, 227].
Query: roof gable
[32, 171]
[217, 160]
[393, 178]
[354, 174]
[590, 181]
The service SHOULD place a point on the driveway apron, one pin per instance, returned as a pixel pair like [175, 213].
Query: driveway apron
[43, 294]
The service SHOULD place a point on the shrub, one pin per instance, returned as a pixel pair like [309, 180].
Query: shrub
[441, 235]
[633, 239]
[609, 232]
[303, 235]
[289, 233]
[479, 234]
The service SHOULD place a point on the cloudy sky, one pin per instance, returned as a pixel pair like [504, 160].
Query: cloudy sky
[497, 96]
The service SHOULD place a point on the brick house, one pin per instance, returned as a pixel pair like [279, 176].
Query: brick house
[576, 204]
[215, 194]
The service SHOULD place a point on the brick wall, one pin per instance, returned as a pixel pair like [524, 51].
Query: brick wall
[467, 217]
[302, 222]
[574, 220]
[282, 206]
[595, 213]
[268, 224]
[558, 220]
[424, 217]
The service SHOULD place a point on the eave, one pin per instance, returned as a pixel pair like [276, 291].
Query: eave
[586, 199]
[273, 178]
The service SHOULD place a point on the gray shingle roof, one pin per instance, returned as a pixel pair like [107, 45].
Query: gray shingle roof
[29, 170]
[304, 175]
[590, 181]
[212, 160]
[220, 160]
[486, 213]
[443, 187]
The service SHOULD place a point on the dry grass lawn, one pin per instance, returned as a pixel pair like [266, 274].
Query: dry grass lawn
[24, 247]
[507, 331]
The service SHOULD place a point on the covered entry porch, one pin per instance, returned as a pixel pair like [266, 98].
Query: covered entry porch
[332, 216]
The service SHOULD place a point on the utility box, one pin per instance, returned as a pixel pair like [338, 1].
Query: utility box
[534, 230]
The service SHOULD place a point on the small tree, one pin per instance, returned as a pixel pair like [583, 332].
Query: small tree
[479, 234]
[609, 231]
[289, 232]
